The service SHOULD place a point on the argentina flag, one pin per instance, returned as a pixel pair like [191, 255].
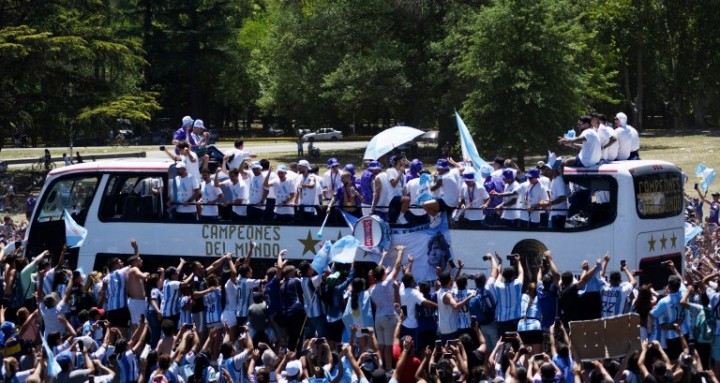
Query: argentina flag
[705, 176]
[74, 233]
[344, 249]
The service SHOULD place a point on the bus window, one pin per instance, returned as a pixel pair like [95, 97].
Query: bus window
[129, 197]
[593, 201]
[72, 194]
[658, 195]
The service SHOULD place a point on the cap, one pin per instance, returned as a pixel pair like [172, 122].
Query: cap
[541, 165]
[469, 175]
[350, 168]
[64, 359]
[8, 328]
[442, 164]
[585, 119]
[508, 174]
[180, 165]
[256, 165]
[533, 173]
[374, 165]
[282, 168]
[303, 163]
[187, 121]
[332, 162]
[396, 158]
[499, 160]
[486, 171]
[199, 124]
[415, 166]
[293, 368]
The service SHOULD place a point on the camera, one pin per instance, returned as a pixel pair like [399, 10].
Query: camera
[622, 264]
[188, 326]
[486, 257]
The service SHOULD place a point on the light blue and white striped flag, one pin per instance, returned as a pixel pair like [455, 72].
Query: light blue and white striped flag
[322, 258]
[344, 249]
[53, 368]
[469, 150]
[74, 233]
[705, 176]
[691, 231]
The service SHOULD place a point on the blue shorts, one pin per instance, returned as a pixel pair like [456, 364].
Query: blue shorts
[578, 163]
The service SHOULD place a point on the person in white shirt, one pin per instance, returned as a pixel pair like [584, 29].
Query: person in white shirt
[416, 191]
[237, 155]
[399, 202]
[446, 186]
[558, 198]
[532, 193]
[307, 197]
[410, 298]
[257, 195]
[284, 194]
[211, 196]
[184, 191]
[616, 294]
[624, 137]
[608, 137]
[238, 193]
[634, 144]
[331, 179]
[510, 206]
[52, 310]
[187, 157]
[473, 198]
[588, 142]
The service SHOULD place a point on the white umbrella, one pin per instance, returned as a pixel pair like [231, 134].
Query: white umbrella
[387, 140]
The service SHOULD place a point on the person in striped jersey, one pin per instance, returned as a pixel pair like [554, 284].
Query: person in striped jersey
[616, 293]
[508, 291]
[48, 281]
[232, 362]
[314, 306]
[669, 312]
[128, 351]
[245, 286]
[115, 295]
[170, 306]
[529, 325]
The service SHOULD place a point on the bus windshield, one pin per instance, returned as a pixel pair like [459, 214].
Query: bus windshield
[658, 195]
[72, 194]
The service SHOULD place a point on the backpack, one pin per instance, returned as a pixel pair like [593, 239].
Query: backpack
[704, 327]
[486, 307]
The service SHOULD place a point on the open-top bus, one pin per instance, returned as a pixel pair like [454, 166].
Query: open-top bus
[642, 223]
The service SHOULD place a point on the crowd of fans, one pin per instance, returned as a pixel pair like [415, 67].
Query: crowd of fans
[226, 322]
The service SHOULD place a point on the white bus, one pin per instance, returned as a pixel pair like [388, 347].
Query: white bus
[642, 222]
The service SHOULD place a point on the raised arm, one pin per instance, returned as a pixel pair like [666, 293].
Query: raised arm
[217, 264]
[398, 261]
[249, 253]
[520, 271]
[553, 267]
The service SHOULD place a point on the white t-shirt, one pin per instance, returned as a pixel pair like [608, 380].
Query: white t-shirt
[414, 191]
[450, 189]
[256, 190]
[273, 179]
[606, 133]
[590, 153]
[50, 317]
[209, 194]
[283, 190]
[230, 296]
[511, 212]
[332, 181]
[624, 143]
[385, 192]
[614, 299]
[474, 197]
[634, 139]
[186, 187]
[192, 167]
[239, 156]
[447, 315]
[531, 195]
[559, 188]
[411, 297]
[397, 190]
[239, 194]
[308, 196]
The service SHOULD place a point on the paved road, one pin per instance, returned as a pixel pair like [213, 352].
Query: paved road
[278, 147]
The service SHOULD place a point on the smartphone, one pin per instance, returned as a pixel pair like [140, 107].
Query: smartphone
[538, 357]
[453, 342]
[510, 335]
[404, 311]
[691, 348]
[622, 263]
[438, 343]
[188, 326]
[304, 352]
[18, 244]
[452, 264]
[447, 355]
[81, 345]
[162, 148]
[473, 319]
[637, 273]
[364, 331]
[320, 340]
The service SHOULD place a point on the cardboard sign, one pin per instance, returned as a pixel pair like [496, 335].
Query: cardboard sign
[605, 338]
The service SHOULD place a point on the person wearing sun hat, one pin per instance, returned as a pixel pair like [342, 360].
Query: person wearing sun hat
[183, 131]
[473, 198]
[446, 186]
[511, 200]
[366, 185]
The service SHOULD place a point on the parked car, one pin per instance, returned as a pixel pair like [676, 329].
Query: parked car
[324, 134]
[275, 132]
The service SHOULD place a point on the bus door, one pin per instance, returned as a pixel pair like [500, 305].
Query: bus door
[73, 194]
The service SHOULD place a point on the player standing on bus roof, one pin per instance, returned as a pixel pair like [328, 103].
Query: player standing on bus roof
[256, 201]
[532, 193]
[306, 194]
[237, 155]
[446, 187]
[588, 142]
[616, 293]
[238, 193]
[184, 191]
[211, 196]
[284, 194]
[473, 198]
[559, 192]
[331, 178]
[135, 287]
[511, 200]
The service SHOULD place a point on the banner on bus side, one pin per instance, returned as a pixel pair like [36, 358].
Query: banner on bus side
[602, 338]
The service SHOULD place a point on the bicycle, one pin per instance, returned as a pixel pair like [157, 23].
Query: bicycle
[120, 141]
[42, 164]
